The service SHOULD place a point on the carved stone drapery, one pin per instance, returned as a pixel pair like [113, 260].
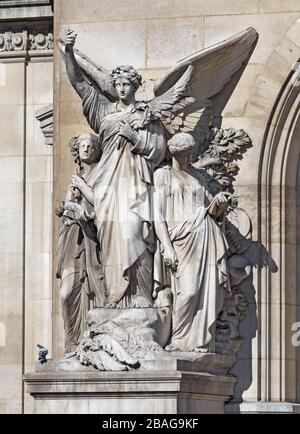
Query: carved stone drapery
[179, 272]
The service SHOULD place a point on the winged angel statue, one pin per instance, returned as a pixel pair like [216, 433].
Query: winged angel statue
[150, 243]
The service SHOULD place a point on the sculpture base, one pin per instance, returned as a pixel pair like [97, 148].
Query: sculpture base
[178, 388]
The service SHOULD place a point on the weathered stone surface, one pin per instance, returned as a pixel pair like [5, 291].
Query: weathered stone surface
[217, 364]
[170, 391]
[278, 6]
[118, 10]
[40, 83]
[11, 144]
[249, 109]
[25, 9]
[116, 35]
[127, 330]
[45, 117]
[174, 34]
[26, 195]
[271, 28]
[150, 324]
[263, 408]
[240, 97]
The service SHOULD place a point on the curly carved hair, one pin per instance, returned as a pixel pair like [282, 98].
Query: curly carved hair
[75, 143]
[128, 72]
[181, 142]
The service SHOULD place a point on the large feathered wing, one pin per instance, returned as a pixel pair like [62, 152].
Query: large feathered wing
[166, 106]
[215, 74]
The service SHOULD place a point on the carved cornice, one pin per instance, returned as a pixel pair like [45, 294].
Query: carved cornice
[39, 6]
[26, 41]
[45, 117]
[24, 3]
[21, 10]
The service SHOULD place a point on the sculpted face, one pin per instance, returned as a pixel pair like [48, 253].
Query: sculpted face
[183, 157]
[125, 89]
[88, 151]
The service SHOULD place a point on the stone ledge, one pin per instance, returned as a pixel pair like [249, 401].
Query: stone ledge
[263, 407]
[180, 391]
[210, 363]
[23, 3]
[25, 9]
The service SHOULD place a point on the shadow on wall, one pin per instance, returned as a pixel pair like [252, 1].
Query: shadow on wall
[248, 255]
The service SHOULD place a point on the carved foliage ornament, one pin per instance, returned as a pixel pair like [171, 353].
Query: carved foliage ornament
[22, 41]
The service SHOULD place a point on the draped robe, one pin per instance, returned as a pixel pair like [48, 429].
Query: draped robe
[201, 280]
[79, 269]
[122, 200]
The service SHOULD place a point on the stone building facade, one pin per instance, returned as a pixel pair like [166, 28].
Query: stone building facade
[152, 36]
[26, 86]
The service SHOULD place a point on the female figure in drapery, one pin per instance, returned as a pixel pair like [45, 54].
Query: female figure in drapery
[132, 146]
[190, 97]
[191, 257]
[78, 263]
[122, 194]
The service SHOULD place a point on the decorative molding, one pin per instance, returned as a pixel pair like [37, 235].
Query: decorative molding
[24, 3]
[41, 41]
[45, 117]
[21, 10]
[26, 41]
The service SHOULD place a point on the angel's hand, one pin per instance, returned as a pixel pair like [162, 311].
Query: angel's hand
[77, 182]
[70, 38]
[125, 130]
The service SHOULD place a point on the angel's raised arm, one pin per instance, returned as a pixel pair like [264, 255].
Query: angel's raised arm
[73, 70]
[84, 72]
[90, 81]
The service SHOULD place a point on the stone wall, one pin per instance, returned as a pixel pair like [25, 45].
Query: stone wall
[26, 85]
[152, 36]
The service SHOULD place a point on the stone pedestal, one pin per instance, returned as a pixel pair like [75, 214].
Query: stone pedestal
[178, 388]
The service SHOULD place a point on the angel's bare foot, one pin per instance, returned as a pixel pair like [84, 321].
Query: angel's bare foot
[201, 350]
[111, 306]
[172, 347]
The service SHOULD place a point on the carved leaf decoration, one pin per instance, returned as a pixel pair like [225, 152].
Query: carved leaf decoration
[196, 124]
[221, 149]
